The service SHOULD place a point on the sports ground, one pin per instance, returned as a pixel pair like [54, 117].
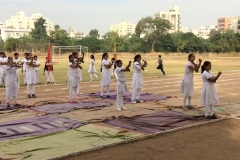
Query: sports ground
[161, 128]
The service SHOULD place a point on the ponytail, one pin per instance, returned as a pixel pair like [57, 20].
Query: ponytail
[202, 68]
[103, 55]
[92, 57]
[135, 58]
[189, 56]
[205, 64]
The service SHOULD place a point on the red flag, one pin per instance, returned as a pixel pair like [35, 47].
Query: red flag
[49, 57]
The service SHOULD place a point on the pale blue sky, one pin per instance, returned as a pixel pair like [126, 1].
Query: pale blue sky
[85, 15]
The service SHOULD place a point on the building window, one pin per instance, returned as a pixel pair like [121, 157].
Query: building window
[164, 16]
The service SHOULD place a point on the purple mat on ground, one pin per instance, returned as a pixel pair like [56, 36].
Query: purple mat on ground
[67, 107]
[156, 122]
[127, 96]
[35, 126]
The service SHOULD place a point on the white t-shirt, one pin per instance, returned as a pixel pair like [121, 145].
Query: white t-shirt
[1, 60]
[36, 62]
[17, 61]
[120, 75]
[4, 59]
[24, 64]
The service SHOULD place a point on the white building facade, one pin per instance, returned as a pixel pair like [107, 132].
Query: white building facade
[186, 30]
[173, 15]
[20, 25]
[234, 23]
[205, 30]
[124, 28]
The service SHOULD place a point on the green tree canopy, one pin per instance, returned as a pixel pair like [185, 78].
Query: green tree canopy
[93, 44]
[152, 28]
[94, 33]
[238, 25]
[39, 33]
[59, 37]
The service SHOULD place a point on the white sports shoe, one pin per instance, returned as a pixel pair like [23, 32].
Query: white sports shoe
[123, 108]
[133, 102]
[119, 109]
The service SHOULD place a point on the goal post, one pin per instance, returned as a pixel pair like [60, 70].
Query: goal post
[59, 49]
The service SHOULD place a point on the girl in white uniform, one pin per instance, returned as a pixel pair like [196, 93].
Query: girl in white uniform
[75, 56]
[37, 64]
[121, 82]
[3, 62]
[186, 86]
[137, 81]
[11, 82]
[92, 69]
[73, 78]
[209, 95]
[31, 77]
[17, 61]
[106, 74]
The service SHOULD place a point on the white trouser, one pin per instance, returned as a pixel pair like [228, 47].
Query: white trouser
[119, 100]
[18, 76]
[136, 94]
[78, 89]
[2, 76]
[24, 77]
[72, 93]
[37, 76]
[49, 76]
[31, 88]
[91, 76]
[185, 99]
[209, 109]
[102, 89]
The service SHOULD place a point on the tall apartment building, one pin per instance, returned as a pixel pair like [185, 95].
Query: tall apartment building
[20, 21]
[20, 25]
[223, 23]
[124, 28]
[234, 23]
[173, 15]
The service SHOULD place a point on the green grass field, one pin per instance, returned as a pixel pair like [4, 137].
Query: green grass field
[173, 64]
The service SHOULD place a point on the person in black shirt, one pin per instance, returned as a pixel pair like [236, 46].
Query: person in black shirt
[160, 66]
[45, 71]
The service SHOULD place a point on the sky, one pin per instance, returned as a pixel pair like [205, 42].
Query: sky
[85, 15]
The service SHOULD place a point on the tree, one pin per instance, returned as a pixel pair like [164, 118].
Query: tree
[59, 37]
[93, 44]
[213, 32]
[238, 25]
[94, 33]
[11, 44]
[39, 33]
[177, 40]
[1, 44]
[152, 28]
[165, 44]
[110, 39]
